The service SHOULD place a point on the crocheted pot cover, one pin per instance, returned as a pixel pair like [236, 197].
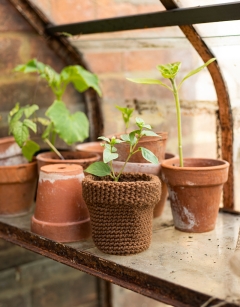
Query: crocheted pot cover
[121, 212]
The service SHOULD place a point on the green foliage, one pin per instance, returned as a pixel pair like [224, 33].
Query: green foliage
[126, 115]
[75, 74]
[20, 128]
[70, 127]
[169, 71]
[110, 151]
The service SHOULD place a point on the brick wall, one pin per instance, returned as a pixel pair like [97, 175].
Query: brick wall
[115, 56]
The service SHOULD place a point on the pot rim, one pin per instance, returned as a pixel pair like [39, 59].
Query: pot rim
[28, 164]
[92, 156]
[169, 164]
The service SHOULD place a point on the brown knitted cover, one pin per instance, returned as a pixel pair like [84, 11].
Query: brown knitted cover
[121, 212]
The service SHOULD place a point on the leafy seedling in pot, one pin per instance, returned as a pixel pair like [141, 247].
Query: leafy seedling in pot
[169, 71]
[69, 127]
[126, 115]
[110, 151]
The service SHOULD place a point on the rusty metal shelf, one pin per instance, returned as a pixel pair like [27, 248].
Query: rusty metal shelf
[179, 268]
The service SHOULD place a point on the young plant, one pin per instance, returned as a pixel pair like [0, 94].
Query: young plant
[169, 71]
[75, 74]
[110, 151]
[126, 115]
[70, 128]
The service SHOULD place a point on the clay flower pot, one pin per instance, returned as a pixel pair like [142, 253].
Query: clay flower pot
[82, 158]
[148, 168]
[17, 188]
[61, 213]
[195, 191]
[121, 212]
[157, 145]
[10, 152]
[91, 147]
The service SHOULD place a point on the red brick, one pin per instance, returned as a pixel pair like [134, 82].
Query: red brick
[72, 10]
[11, 19]
[10, 48]
[107, 62]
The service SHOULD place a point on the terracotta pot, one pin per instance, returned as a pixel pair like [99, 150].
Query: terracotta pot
[148, 168]
[61, 213]
[121, 212]
[17, 188]
[10, 152]
[195, 191]
[81, 158]
[156, 144]
[93, 147]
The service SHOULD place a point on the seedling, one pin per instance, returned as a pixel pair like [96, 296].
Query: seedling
[110, 151]
[169, 71]
[126, 115]
[69, 127]
[75, 74]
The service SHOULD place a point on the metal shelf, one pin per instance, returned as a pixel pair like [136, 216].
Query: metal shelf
[181, 269]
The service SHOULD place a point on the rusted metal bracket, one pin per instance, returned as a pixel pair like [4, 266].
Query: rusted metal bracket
[137, 281]
[70, 55]
[225, 112]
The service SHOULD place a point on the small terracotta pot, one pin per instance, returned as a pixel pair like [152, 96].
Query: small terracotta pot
[17, 188]
[155, 144]
[61, 213]
[10, 152]
[195, 191]
[121, 212]
[82, 158]
[93, 147]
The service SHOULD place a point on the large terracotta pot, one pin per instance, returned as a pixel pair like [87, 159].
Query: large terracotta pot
[155, 144]
[81, 158]
[195, 191]
[17, 188]
[121, 212]
[61, 213]
[92, 147]
[148, 168]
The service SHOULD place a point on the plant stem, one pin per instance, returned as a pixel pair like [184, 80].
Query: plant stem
[176, 97]
[54, 149]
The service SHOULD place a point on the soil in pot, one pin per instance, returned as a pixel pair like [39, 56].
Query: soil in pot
[17, 187]
[82, 158]
[61, 213]
[157, 145]
[121, 212]
[195, 191]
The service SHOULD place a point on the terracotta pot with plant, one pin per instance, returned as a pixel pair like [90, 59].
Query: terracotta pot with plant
[71, 128]
[195, 184]
[121, 204]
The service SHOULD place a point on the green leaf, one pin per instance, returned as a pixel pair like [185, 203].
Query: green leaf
[15, 109]
[125, 137]
[29, 67]
[147, 127]
[104, 139]
[30, 124]
[150, 133]
[70, 127]
[81, 78]
[149, 81]
[29, 149]
[109, 156]
[43, 121]
[140, 122]
[148, 155]
[29, 110]
[20, 133]
[47, 132]
[98, 169]
[195, 71]
[169, 71]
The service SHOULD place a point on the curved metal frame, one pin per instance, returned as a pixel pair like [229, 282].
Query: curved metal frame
[225, 112]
